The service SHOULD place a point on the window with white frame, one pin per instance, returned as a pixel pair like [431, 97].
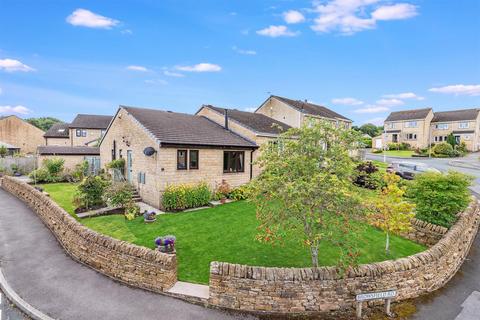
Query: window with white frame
[463, 125]
[411, 124]
[391, 125]
[442, 126]
[411, 136]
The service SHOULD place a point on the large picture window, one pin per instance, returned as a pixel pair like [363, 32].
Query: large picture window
[233, 161]
[193, 159]
[182, 159]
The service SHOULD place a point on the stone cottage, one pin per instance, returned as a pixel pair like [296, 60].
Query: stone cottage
[163, 148]
[17, 132]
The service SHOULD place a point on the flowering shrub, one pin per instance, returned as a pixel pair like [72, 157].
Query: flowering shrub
[166, 243]
[184, 196]
[90, 192]
[239, 193]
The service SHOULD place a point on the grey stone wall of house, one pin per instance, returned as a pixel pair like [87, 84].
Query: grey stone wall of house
[134, 265]
[324, 289]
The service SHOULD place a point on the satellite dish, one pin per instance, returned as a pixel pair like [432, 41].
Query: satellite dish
[149, 151]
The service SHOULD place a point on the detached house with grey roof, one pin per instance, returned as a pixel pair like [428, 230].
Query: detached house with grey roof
[75, 142]
[409, 126]
[463, 124]
[164, 148]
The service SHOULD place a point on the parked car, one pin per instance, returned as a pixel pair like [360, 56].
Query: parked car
[408, 170]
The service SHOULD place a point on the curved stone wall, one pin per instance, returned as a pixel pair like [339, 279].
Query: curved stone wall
[131, 264]
[310, 290]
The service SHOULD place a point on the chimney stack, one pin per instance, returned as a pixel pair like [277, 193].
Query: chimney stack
[226, 119]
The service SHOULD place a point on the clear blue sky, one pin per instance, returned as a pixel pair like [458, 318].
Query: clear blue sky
[362, 58]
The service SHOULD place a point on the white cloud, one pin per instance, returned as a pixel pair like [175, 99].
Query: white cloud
[459, 89]
[156, 81]
[404, 95]
[347, 101]
[137, 68]
[14, 109]
[12, 65]
[351, 16]
[390, 102]
[293, 16]
[245, 52]
[372, 109]
[200, 67]
[173, 74]
[86, 18]
[378, 121]
[397, 11]
[126, 31]
[277, 31]
[250, 109]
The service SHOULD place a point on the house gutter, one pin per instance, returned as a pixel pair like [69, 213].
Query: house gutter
[251, 164]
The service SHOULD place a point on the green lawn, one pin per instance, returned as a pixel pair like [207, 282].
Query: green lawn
[399, 153]
[62, 193]
[227, 233]
[382, 166]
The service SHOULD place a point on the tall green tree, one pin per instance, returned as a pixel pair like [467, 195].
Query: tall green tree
[43, 123]
[305, 188]
[371, 129]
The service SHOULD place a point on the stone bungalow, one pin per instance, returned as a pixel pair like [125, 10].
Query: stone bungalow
[162, 148]
[75, 142]
[17, 132]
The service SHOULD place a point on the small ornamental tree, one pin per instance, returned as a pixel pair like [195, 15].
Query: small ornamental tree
[391, 213]
[305, 188]
[3, 151]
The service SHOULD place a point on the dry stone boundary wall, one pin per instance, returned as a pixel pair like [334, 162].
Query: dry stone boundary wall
[264, 289]
[128, 263]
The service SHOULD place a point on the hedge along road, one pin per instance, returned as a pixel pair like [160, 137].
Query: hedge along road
[40, 271]
[460, 298]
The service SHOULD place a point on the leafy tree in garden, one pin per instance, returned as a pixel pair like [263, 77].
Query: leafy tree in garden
[391, 212]
[3, 151]
[439, 197]
[370, 129]
[43, 123]
[305, 188]
[451, 140]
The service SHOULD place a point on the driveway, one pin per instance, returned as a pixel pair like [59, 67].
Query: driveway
[38, 269]
[460, 298]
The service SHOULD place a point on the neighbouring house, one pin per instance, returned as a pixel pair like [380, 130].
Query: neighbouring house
[255, 127]
[88, 129]
[410, 126]
[21, 134]
[71, 155]
[58, 135]
[463, 124]
[11, 150]
[296, 112]
[163, 148]
[377, 142]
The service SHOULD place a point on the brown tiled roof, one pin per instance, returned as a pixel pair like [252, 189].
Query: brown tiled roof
[408, 115]
[91, 121]
[310, 108]
[254, 121]
[173, 128]
[457, 115]
[58, 130]
[61, 150]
